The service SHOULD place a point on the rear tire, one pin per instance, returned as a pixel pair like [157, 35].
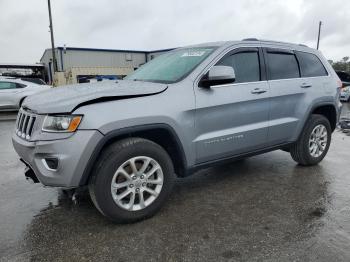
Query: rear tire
[313, 143]
[122, 186]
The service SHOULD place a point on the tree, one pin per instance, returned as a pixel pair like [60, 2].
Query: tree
[342, 65]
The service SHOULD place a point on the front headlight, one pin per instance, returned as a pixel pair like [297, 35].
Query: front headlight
[68, 123]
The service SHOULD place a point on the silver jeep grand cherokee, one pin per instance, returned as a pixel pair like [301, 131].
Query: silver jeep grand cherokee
[187, 109]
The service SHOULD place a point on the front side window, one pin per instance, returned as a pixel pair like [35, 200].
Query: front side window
[172, 66]
[7, 85]
[310, 65]
[245, 64]
[282, 65]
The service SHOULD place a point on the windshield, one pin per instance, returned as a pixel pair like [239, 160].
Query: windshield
[171, 67]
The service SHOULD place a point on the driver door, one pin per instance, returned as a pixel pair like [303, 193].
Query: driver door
[232, 119]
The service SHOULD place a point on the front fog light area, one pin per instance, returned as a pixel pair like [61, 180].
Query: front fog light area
[61, 123]
[51, 163]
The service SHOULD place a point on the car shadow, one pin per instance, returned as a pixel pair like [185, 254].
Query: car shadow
[268, 195]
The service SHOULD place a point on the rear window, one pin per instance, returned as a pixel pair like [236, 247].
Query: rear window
[282, 65]
[310, 65]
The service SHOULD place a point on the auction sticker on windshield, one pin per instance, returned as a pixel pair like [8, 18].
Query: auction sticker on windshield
[194, 53]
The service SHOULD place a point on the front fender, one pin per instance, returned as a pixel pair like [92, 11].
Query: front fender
[112, 135]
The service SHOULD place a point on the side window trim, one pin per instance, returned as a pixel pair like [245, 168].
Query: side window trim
[279, 51]
[263, 65]
[239, 50]
[229, 51]
[267, 50]
[299, 65]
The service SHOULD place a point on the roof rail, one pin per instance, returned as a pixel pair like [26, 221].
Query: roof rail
[250, 39]
[271, 41]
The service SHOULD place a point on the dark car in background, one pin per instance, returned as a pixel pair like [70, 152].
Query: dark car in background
[345, 92]
[344, 77]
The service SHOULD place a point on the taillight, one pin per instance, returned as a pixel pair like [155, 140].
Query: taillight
[340, 84]
[339, 87]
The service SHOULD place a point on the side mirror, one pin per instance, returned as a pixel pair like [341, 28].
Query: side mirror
[218, 75]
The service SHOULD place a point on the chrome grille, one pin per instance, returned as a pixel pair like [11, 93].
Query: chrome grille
[25, 124]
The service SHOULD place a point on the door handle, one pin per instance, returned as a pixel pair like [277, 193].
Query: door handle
[258, 91]
[305, 85]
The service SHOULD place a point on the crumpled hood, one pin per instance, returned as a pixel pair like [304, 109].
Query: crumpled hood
[67, 98]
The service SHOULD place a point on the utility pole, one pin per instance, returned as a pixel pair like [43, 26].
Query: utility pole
[54, 61]
[319, 34]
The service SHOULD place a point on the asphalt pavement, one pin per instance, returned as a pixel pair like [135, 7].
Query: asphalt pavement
[265, 208]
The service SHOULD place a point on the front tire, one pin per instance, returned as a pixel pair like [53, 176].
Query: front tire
[131, 180]
[314, 141]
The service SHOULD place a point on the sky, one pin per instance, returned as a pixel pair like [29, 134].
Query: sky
[157, 24]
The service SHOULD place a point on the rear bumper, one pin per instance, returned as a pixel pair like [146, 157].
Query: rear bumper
[72, 154]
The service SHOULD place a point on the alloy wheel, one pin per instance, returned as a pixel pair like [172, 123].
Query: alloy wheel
[318, 140]
[137, 183]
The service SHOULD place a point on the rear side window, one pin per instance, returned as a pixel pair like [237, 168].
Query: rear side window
[310, 65]
[7, 85]
[282, 65]
[245, 64]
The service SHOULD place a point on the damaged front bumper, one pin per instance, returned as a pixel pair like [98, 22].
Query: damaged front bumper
[57, 163]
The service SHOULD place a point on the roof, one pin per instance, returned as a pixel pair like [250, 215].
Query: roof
[107, 50]
[110, 50]
[249, 41]
[254, 40]
[12, 65]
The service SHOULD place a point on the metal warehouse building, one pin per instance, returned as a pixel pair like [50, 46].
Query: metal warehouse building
[75, 65]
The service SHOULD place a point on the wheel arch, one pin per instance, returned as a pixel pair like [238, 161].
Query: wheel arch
[21, 101]
[162, 134]
[327, 110]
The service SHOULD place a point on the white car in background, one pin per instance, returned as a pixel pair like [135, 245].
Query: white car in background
[14, 90]
[345, 94]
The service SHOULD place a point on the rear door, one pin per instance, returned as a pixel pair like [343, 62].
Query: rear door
[8, 91]
[288, 94]
[296, 79]
[233, 118]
